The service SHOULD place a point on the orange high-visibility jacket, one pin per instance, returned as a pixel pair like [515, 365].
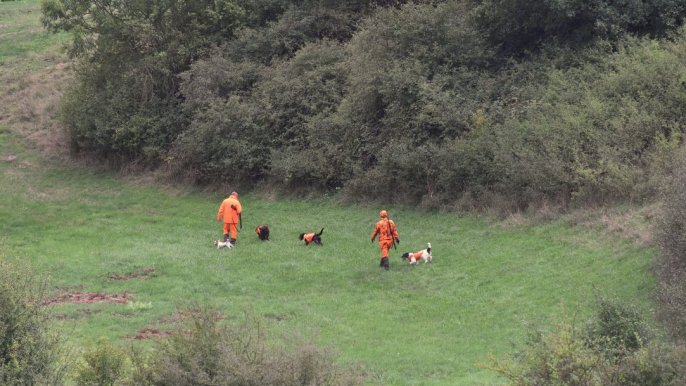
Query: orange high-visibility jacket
[386, 230]
[230, 214]
[308, 237]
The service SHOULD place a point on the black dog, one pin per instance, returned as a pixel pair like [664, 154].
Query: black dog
[312, 237]
[263, 232]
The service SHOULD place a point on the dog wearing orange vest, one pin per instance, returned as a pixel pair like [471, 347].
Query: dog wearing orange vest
[424, 254]
[263, 232]
[312, 237]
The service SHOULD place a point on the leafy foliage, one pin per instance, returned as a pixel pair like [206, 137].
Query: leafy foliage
[518, 26]
[671, 265]
[447, 102]
[210, 353]
[30, 347]
[103, 364]
[615, 349]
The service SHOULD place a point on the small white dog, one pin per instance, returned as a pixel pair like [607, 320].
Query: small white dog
[222, 244]
[424, 254]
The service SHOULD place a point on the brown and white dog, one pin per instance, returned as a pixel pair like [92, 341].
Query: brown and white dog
[223, 244]
[312, 237]
[262, 232]
[424, 254]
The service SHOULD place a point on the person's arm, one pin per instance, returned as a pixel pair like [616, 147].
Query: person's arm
[221, 212]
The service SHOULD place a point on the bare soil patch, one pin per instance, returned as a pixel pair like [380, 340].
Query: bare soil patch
[91, 297]
[150, 333]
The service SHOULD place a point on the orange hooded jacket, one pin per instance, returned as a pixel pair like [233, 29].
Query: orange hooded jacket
[230, 209]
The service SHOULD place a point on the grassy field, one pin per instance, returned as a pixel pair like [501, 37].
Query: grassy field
[426, 325]
[429, 325]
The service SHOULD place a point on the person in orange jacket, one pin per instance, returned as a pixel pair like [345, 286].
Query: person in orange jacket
[387, 232]
[231, 210]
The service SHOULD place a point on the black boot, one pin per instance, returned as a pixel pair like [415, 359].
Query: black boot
[226, 237]
[233, 242]
[384, 263]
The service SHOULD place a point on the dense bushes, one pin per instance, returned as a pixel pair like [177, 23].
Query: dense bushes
[413, 102]
[523, 25]
[31, 352]
[204, 351]
[215, 354]
[614, 349]
[671, 261]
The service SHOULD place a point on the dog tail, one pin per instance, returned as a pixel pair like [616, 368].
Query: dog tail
[320, 232]
[428, 250]
[301, 236]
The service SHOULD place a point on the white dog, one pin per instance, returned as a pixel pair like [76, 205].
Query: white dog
[424, 254]
[221, 244]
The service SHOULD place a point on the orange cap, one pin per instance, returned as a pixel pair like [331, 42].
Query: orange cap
[383, 213]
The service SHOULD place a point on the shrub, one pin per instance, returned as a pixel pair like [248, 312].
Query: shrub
[103, 364]
[618, 325]
[31, 350]
[657, 364]
[671, 260]
[207, 352]
[614, 350]
[558, 358]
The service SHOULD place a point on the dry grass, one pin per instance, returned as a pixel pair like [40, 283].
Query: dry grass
[33, 76]
[31, 109]
[636, 223]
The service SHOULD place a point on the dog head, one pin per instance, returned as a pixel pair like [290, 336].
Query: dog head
[406, 255]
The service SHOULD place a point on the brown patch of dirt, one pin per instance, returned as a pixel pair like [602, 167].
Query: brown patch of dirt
[151, 333]
[145, 275]
[91, 297]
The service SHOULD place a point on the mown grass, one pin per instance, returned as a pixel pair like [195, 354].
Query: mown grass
[429, 325]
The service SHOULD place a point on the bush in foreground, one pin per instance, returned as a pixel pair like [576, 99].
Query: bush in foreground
[613, 349]
[31, 352]
[671, 260]
[205, 351]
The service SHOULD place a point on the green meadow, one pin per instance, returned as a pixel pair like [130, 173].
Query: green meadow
[427, 325]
